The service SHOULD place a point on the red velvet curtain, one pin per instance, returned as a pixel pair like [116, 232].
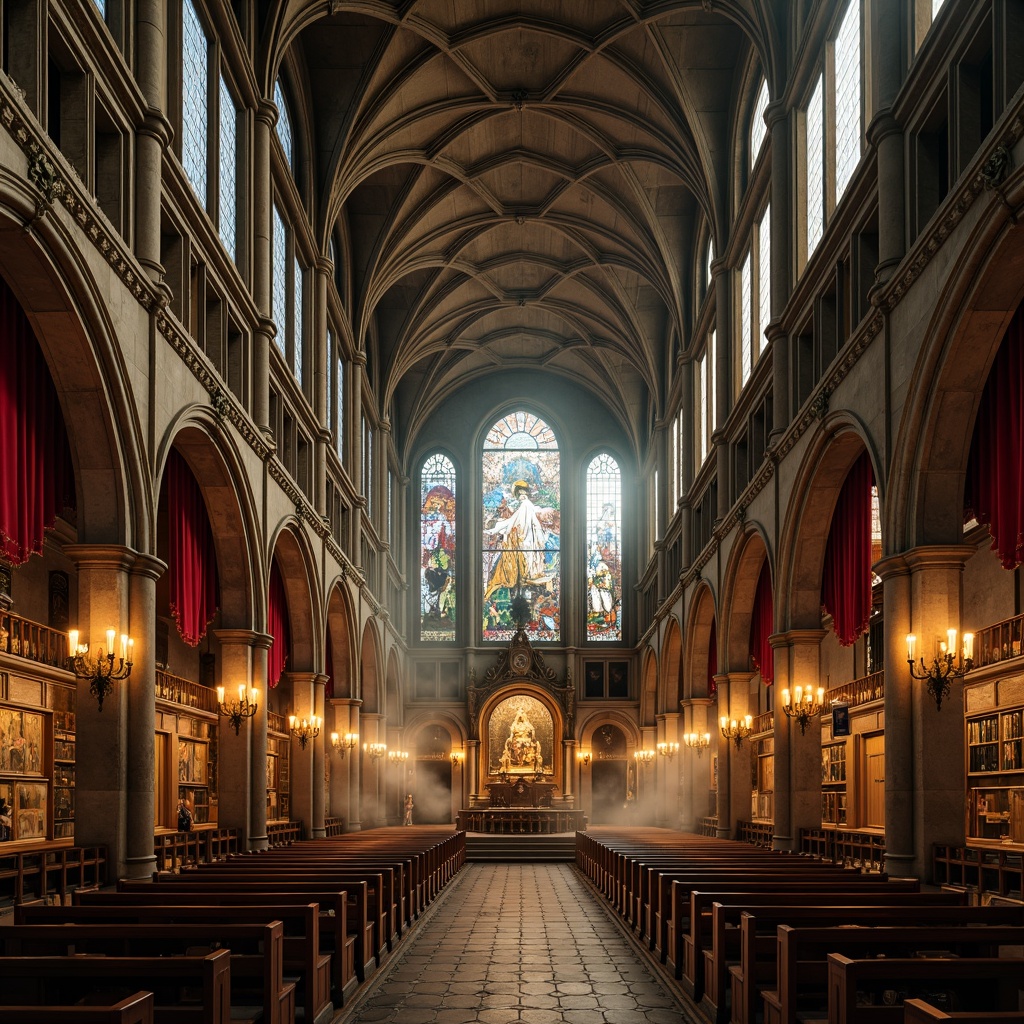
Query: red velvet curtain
[994, 491]
[37, 479]
[712, 659]
[762, 625]
[191, 558]
[329, 670]
[277, 626]
[846, 576]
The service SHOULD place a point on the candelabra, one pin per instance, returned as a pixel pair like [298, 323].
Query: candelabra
[583, 756]
[807, 704]
[343, 744]
[398, 756]
[238, 710]
[735, 730]
[668, 750]
[945, 666]
[305, 730]
[375, 750]
[644, 757]
[457, 757]
[698, 741]
[101, 671]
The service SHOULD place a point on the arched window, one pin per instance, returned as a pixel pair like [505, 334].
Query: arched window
[195, 107]
[520, 475]
[758, 129]
[604, 549]
[284, 124]
[437, 549]
[709, 258]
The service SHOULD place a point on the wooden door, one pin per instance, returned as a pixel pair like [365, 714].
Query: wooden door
[874, 781]
[608, 779]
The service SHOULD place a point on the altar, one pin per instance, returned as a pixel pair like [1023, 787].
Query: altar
[520, 820]
[523, 792]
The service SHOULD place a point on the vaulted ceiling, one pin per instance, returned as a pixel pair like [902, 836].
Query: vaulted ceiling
[520, 183]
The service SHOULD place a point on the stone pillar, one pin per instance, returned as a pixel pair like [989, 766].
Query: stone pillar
[720, 750]
[262, 204]
[345, 774]
[783, 832]
[153, 135]
[669, 790]
[235, 778]
[354, 432]
[318, 828]
[778, 122]
[723, 382]
[372, 810]
[323, 271]
[258, 748]
[695, 765]
[936, 599]
[473, 797]
[735, 756]
[303, 782]
[101, 802]
[686, 446]
[140, 860]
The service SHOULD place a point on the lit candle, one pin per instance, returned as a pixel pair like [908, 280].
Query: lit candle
[910, 646]
[821, 694]
[334, 739]
[748, 721]
[73, 641]
[725, 721]
[241, 693]
[124, 646]
[220, 694]
[969, 645]
[799, 694]
[291, 721]
[255, 695]
[131, 648]
[951, 643]
[707, 737]
[111, 633]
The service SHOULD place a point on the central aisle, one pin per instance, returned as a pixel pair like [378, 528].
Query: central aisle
[511, 943]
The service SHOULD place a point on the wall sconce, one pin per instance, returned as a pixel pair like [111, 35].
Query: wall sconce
[644, 757]
[943, 668]
[698, 741]
[343, 744]
[398, 756]
[583, 756]
[100, 671]
[807, 704]
[668, 750]
[306, 730]
[375, 750]
[237, 710]
[457, 757]
[736, 731]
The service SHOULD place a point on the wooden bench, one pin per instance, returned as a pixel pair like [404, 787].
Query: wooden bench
[916, 1011]
[758, 945]
[802, 974]
[186, 989]
[304, 959]
[851, 983]
[133, 1009]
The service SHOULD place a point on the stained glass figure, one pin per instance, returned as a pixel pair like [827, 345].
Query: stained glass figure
[604, 549]
[437, 549]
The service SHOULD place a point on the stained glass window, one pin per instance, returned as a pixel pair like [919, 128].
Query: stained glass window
[297, 300]
[702, 408]
[437, 549]
[227, 216]
[746, 327]
[848, 133]
[936, 7]
[604, 549]
[758, 129]
[195, 99]
[521, 565]
[102, 6]
[764, 275]
[710, 255]
[284, 123]
[339, 410]
[279, 291]
[815, 170]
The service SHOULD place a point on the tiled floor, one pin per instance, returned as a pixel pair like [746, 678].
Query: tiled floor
[513, 943]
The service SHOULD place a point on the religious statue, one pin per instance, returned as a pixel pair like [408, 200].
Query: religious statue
[522, 748]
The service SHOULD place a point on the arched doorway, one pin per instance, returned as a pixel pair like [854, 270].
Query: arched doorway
[432, 788]
[610, 776]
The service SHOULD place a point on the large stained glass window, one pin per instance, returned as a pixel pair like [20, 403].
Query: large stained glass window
[437, 549]
[604, 549]
[195, 50]
[521, 528]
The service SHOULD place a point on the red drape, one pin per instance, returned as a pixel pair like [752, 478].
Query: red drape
[994, 491]
[762, 625]
[846, 576]
[712, 659]
[277, 626]
[37, 480]
[329, 670]
[191, 558]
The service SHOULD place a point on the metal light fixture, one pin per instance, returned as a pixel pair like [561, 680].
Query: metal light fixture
[375, 750]
[583, 756]
[238, 710]
[735, 730]
[946, 665]
[644, 757]
[668, 750]
[398, 756]
[457, 757]
[698, 741]
[305, 729]
[805, 706]
[101, 670]
[343, 744]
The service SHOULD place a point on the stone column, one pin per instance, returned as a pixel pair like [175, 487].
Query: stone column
[140, 861]
[101, 794]
[153, 135]
[354, 433]
[345, 773]
[936, 599]
[669, 809]
[686, 444]
[569, 772]
[323, 271]
[723, 382]
[695, 767]
[258, 749]
[303, 782]
[736, 756]
[372, 813]
[473, 797]
[318, 828]
[235, 778]
[262, 204]
[778, 122]
[720, 750]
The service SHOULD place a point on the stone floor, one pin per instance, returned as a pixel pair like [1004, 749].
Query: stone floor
[511, 943]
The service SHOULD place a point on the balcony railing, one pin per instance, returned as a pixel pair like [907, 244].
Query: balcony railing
[763, 723]
[177, 690]
[998, 642]
[277, 723]
[28, 639]
[858, 691]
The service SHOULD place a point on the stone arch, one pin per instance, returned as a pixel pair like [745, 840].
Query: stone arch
[369, 663]
[526, 689]
[737, 604]
[292, 552]
[698, 639]
[648, 687]
[340, 629]
[393, 690]
[819, 480]
[672, 682]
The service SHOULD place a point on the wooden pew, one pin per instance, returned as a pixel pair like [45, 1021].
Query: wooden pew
[257, 954]
[850, 982]
[186, 989]
[803, 979]
[133, 1009]
[304, 959]
[916, 1011]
